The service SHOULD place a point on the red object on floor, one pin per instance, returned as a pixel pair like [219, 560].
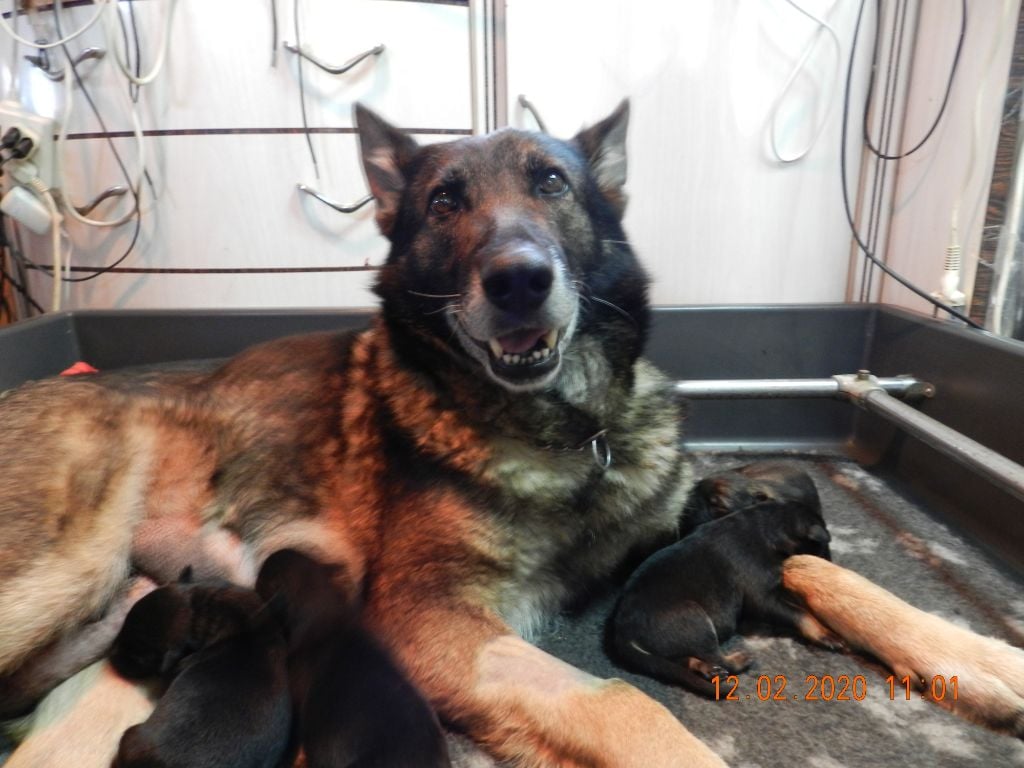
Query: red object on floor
[78, 369]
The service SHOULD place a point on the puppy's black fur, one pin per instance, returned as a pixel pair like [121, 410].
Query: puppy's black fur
[687, 598]
[353, 705]
[228, 704]
[741, 487]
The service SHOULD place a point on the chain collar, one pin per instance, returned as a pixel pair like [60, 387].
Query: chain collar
[599, 448]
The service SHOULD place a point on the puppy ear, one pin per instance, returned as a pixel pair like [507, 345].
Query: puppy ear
[385, 150]
[185, 577]
[604, 146]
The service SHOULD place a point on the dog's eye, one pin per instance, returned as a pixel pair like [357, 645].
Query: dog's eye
[443, 202]
[552, 183]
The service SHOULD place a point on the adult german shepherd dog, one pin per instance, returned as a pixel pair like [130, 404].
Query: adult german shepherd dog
[492, 444]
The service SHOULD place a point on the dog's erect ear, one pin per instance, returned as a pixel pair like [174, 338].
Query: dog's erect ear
[604, 146]
[385, 150]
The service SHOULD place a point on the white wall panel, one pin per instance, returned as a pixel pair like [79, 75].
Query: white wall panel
[225, 153]
[713, 214]
[716, 217]
[219, 72]
[229, 201]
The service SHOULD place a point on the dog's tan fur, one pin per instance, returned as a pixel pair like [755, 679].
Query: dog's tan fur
[990, 673]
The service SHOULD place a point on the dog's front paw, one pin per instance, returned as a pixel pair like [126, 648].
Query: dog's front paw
[978, 677]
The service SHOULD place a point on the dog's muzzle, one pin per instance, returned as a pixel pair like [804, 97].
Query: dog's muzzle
[520, 315]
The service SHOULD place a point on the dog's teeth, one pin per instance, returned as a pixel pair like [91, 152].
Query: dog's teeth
[551, 338]
[524, 358]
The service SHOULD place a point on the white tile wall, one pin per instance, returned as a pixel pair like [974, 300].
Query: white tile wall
[717, 218]
[714, 215]
[229, 200]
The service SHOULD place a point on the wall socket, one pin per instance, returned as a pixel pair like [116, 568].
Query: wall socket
[42, 129]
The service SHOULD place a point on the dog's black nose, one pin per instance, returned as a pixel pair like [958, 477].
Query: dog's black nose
[518, 281]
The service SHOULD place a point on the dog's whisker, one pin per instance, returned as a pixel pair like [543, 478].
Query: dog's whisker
[618, 309]
[435, 295]
[451, 309]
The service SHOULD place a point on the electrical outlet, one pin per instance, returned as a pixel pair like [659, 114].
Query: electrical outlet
[41, 129]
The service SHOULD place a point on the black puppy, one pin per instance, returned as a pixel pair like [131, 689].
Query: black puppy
[687, 598]
[353, 705]
[228, 704]
[742, 487]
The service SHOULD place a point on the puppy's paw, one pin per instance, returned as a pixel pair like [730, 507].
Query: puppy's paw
[978, 677]
[814, 631]
[707, 669]
[738, 661]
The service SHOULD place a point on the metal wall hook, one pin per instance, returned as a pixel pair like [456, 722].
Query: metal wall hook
[116, 191]
[340, 207]
[528, 106]
[43, 62]
[331, 68]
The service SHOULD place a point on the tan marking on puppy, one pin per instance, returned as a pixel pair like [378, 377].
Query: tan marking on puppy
[80, 722]
[990, 673]
[816, 632]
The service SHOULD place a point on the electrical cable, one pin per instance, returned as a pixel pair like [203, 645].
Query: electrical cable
[26, 174]
[133, 89]
[969, 168]
[945, 99]
[6, 311]
[95, 272]
[823, 26]
[161, 56]
[43, 193]
[881, 170]
[100, 7]
[135, 184]
[12, 87]
[302, 90]
[13, 248]
[273, 33]
[17, 267]
[134, 189]
[846, 195]
[20, 288]
[17, 250]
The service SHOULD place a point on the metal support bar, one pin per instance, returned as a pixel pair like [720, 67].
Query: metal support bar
[998, 469]
[877, 395]
[737, 389]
